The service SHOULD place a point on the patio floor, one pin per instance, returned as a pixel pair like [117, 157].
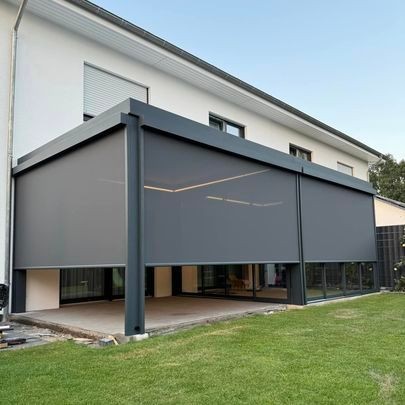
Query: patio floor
[161, 314]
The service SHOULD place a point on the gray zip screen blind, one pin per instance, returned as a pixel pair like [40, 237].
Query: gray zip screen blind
[71, 210]
[337, 223]
[103, 90]
[206, 206]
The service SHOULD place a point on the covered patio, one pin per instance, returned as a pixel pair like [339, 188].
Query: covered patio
[161, 314]
[137, 188]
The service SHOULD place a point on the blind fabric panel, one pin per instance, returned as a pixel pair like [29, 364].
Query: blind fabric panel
[70, 212]
[204, 206]
[337, 223]
[103, 90]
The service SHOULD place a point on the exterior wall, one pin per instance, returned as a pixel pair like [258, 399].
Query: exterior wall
[42, 289]
[163, 282]
[50, 88]
[189, 279]
[6, 18]
[49, 96]
[387, 214]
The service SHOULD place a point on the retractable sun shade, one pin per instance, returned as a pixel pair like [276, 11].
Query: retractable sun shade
[337, 223]
[207, 206]
[194, 196]
[70, 212]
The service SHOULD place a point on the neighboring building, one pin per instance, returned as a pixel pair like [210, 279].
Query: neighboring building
[390, 222]
[76, 60]
[388, 212]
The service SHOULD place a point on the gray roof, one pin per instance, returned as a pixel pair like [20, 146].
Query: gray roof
[390, 201]
[105, 14]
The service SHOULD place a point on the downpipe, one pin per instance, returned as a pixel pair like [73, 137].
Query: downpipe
[10, 140]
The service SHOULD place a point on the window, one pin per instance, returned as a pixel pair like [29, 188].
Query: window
[325, 280]
[300, 152]
[352, 275]
[103, 90]
[334, 279]
[264, 282]
[346, 169]
[227, 126]
[314, 281]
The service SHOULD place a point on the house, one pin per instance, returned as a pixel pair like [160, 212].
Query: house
[390, 222]
[87, 83]
[388, 212]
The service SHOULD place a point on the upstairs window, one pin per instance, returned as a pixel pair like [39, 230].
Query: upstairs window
[103, 90]
[300, 152]
[346, 169]
[227, 126]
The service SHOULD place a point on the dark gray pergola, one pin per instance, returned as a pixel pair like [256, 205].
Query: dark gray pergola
[138, 186]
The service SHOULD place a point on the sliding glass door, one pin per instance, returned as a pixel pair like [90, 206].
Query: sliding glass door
[91, 284]
[255, 281]
[327, 280]
[214, 280]
[82, 284]
[118, 282]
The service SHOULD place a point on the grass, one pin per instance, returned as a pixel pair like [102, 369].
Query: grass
[343, 353]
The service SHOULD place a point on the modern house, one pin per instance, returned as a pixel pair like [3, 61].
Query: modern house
[141, 170]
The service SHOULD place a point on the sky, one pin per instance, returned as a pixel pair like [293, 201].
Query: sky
[342, 62]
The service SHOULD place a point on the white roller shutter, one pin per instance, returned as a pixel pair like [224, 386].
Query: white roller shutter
[103, 90]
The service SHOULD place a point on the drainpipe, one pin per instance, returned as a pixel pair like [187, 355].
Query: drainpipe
[9, 184]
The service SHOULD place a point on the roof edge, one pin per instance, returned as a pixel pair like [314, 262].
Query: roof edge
[122, 23]
[391, 201]
[156, 119]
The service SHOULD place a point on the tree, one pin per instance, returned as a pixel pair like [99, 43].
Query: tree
[388, 178]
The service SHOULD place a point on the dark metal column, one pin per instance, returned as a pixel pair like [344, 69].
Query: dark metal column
[298, 272]
[135, 263]
[19, 293]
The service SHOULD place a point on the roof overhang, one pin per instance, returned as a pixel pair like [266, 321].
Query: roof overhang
[104, 27]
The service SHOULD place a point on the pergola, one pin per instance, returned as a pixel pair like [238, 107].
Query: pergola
[138, 186]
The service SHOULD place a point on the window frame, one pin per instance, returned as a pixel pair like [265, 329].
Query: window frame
[360, 268]
[300, 148]
[224, 122]
[345, 165]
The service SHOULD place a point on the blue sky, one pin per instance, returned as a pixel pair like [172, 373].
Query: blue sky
[342, 62]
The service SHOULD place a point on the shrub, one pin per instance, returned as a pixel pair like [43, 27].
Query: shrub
[400, 284]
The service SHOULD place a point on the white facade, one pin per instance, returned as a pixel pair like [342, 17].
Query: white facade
[50, 84]
[388, 213]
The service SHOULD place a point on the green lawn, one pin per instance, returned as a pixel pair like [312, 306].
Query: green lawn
[345, 353]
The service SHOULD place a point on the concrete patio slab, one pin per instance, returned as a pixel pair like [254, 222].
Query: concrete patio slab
[162, 315]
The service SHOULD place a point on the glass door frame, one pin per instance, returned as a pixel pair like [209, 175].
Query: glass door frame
[346, 292]
[107, 290]
[253, 297]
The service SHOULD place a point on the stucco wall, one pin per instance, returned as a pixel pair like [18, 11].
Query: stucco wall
[42, 289]
[189, 279]
[387, 214]
[6, 14]
[50, 94]
[163, 281]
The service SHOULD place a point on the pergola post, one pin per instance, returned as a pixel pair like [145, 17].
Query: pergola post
[135, 264]
[298, 272]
